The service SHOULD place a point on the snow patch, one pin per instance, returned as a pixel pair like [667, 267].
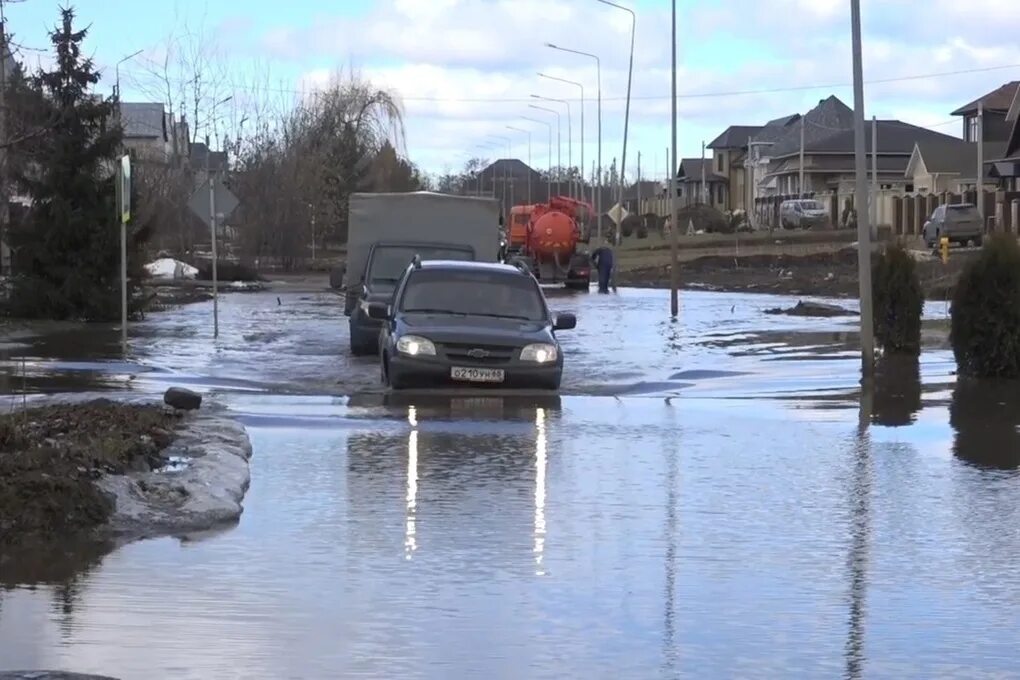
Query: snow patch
[169, 268]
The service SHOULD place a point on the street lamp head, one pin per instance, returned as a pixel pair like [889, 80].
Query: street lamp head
[548, 44]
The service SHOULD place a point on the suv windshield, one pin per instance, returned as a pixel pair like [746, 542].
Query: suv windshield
[389, 262]
[473, 293]
[811, 205]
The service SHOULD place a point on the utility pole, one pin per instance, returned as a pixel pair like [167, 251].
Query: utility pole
[638, 185]
[704, 198]
[863, 228]
[212, 224]
[979, 182]
[5, 254]
[800, 180]
[674, 270]
[874, 177]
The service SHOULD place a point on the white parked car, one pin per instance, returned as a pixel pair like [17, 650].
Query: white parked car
[803, 213]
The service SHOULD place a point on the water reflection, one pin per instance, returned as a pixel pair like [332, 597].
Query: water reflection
[897, 391]
[410, 542]
[540, 462]
[860, 530]
[986, 417]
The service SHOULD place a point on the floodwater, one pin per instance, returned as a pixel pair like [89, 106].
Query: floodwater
[709, 498]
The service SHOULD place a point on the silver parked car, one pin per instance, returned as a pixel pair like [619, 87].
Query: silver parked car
[959, 222]
[803, 213]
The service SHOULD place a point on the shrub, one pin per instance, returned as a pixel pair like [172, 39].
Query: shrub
[898, 301]
[985, 330]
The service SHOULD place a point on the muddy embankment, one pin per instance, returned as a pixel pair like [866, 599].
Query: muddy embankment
[117, 472]
[828, 274]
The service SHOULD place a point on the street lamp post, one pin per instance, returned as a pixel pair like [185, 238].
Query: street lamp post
[598, 88]
[559, 143]
[581, 87]
[116, 70]
[528, 133]
[487, 148]
[549, 172]
[570, 136]
[626, 114]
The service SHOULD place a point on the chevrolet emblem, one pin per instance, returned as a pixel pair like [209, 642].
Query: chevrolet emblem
[478, 353]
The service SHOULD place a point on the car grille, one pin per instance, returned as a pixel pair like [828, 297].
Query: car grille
[479, 354]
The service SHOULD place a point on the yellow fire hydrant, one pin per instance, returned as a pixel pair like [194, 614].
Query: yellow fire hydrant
[944, 248]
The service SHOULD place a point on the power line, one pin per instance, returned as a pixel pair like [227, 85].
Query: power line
[691, 95]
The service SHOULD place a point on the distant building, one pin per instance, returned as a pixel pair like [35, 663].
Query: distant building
[148, 130]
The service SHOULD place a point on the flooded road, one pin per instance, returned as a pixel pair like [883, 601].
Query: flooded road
[713, 498]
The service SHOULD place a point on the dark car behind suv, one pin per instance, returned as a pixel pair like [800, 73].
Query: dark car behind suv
[469, 324]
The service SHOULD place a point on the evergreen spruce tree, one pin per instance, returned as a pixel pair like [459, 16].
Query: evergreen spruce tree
[68, 246]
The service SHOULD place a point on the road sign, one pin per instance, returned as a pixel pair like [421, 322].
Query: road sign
[124, 188]
[618, 214]
[226, 201]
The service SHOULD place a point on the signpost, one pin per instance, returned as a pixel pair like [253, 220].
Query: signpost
[124, 215]
[212, 201]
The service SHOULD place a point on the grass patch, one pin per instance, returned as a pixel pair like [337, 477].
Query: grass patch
[51, 457]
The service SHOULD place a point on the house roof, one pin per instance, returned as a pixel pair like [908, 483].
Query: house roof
[690, 171]
[513, 167]
[198, 153]
[735, 137]
[952, 156]
[775, 129]
[837, 164]
[830, 117]
[999, 99]
[894, 137]
[648, 188]
[143, 119]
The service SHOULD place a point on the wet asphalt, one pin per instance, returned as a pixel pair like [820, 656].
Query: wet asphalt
[713, 497]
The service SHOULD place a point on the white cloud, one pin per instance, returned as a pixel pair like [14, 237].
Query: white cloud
[466, 68]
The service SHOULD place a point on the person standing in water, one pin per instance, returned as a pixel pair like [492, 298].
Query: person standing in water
[602, 258]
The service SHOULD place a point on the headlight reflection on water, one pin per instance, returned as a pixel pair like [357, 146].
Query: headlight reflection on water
[540, 463]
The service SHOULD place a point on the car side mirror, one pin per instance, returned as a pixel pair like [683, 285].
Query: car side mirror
[565, 322]
[379, 311]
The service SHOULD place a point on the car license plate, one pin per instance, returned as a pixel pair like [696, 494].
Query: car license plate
[477, 374]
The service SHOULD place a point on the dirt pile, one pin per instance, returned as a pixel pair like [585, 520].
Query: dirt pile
[51, 457]
[832, 274]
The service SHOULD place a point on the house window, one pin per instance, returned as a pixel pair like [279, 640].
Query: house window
[719, 163]
[719, 194]
[972, 129]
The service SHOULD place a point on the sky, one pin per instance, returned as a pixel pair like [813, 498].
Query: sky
[464, 70]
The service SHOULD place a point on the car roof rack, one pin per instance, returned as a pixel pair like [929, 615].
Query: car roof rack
[416, 261]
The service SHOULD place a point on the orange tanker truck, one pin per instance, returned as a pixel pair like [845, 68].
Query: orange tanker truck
[550, 238]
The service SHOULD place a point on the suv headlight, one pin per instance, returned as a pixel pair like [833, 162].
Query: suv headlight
[416, 346]
[540, 353]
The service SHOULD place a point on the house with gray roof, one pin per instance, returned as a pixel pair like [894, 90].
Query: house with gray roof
[699, 183]
[948, 165]
[729, 156]
[828, 143]
[149, 130]
[1005, 167]
[995, 108]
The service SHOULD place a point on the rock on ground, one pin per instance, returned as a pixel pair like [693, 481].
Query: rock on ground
[202, 487]
[183, 399]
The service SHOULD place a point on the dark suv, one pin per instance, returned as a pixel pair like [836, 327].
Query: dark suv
[469, 324]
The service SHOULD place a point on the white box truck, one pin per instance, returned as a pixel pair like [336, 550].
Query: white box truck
[386, 231]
